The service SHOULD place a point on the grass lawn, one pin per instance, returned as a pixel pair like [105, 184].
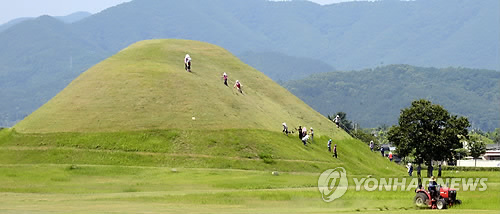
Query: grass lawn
[61, 188]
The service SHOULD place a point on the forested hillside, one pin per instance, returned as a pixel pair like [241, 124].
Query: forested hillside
[281, 67]
[373, 97]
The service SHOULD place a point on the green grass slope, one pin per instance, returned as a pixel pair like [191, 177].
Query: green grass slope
[136, 109]
[145, 87]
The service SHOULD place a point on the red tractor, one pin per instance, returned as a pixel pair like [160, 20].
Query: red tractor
[442, 198]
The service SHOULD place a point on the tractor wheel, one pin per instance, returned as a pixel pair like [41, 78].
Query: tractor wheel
[441, 204]
[421, 200]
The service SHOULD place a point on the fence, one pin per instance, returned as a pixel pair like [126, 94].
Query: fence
[479, 163]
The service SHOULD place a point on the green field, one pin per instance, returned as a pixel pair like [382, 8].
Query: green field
[153, 172]
[60, 188]
[121, 138]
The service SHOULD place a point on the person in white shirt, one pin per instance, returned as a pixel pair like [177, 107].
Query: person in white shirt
[187, 63]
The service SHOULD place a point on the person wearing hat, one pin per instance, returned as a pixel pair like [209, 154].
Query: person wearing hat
[285, 128]
[337, 120]
[410, 169]
[432, 186]
[187, 63]
[335, 151]
[224, 76]
[238, 85]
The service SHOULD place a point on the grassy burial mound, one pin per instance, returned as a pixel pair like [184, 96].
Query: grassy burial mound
[145, 87]
[140, 107]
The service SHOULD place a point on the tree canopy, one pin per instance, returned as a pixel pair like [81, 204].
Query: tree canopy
[428, 132]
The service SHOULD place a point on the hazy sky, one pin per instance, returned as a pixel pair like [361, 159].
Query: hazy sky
[11, 9]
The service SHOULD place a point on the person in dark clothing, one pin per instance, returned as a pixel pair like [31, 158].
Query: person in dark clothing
[410, 169]
[335, 151]
[439, 171]
[430, 173]
[419, 183]
[285, 128]
[382, 151]
[419, 169]
[300, 133]
[433, 191]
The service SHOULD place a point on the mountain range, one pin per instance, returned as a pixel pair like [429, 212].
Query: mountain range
[74, 17]
[39, 57]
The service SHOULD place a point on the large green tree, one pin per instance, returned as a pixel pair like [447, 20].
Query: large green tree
[428, 132]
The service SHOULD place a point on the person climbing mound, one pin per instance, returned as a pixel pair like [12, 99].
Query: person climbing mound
[238, 85]
[305, 138]
[337, 120]
[335, 151]
[300, 132]
[187, 63]
[285, 128]
[224, 77]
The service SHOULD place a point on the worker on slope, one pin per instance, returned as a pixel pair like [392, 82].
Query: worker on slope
[285, 128]
[187, 63]
[337, 120]
[224, 77]
[305, 138]
[238, 86]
